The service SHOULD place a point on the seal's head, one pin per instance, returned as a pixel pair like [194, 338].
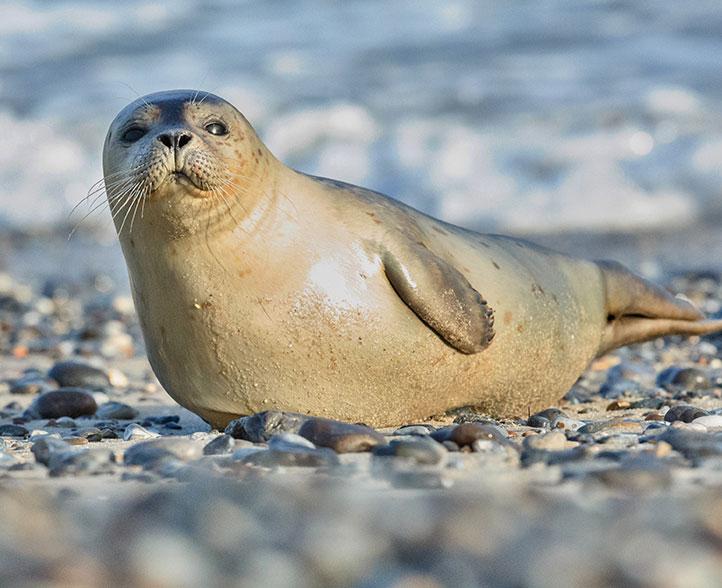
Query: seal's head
[177, 151]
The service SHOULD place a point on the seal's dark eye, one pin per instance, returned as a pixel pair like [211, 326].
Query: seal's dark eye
[133, 134]
[216, 128]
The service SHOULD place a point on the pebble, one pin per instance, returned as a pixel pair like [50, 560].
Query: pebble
[31, 385]
[260, 427]
[421, 449]
[415, 430]
[46, 446]
[691, 379]
[146, 455]
[82, 462]
[553, 441]
[566, 424]
[134, 432]
[289, 441]
[653, 403]
[92, 434]
[70, 374]
[711, 421]
[297, 457]
[686, 414]
[71, 402]
[341, 437]
[73, 440]
[65, 422]
[220, 445]
[116, 410]
[692, 444]
[467, 433]
[543, 419]
[10, 430]
[8, 460]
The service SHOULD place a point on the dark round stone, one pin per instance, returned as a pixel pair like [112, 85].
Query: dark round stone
[71, 402]
[467, 433]
[543, 419]
[220, 445]
[341, 437]
[691, 379]
[684, 413]
[71, 374]
[10, 430]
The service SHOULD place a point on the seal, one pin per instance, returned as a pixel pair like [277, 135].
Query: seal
[259, 287]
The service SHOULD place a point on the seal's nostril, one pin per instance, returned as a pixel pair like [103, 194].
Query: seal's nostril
[183, 140]
[166, 140]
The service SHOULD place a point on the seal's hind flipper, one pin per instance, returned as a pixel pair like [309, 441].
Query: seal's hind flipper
[440, 296]
[638, 310]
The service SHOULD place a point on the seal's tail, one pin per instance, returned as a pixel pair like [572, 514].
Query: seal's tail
[638, 310]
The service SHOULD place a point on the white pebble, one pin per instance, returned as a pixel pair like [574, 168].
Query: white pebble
[100, 398]
[134, 432]
[712, 421]
[117, 378]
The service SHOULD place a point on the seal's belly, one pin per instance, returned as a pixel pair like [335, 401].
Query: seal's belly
[347, 347]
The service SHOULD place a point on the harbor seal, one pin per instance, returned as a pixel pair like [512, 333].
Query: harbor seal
[259, 287]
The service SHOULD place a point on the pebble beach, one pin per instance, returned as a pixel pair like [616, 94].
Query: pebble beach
[105, 481]
[589, 127]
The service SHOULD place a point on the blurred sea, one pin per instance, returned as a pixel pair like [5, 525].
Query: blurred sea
[532, 117]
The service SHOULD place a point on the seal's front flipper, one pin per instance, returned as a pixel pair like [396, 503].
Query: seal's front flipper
[441, 297]
[638, 310]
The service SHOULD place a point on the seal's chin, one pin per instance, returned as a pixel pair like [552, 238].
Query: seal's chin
[179, 181]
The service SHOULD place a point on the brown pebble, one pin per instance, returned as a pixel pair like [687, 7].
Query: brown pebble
[654, 416]
[341, 437]
[467, 433]
[70, 402]
[76, 440]
[619, 405]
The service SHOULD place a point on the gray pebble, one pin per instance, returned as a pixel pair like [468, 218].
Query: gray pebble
[31, 384]
[92, 434]
[46, 446]
[543, 419]
[693, 444]
[260, 427]
[65, 422]
[10, 430]
[675, 378]
[8, 460]
[116, 410]
[82, 463]
[300, 457]
[70, 374]
[220, 445]
[421, 449]
[146, 455]
[415, 430]
[289, 441]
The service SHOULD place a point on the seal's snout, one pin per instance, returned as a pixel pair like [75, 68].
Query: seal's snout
[174, 140]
